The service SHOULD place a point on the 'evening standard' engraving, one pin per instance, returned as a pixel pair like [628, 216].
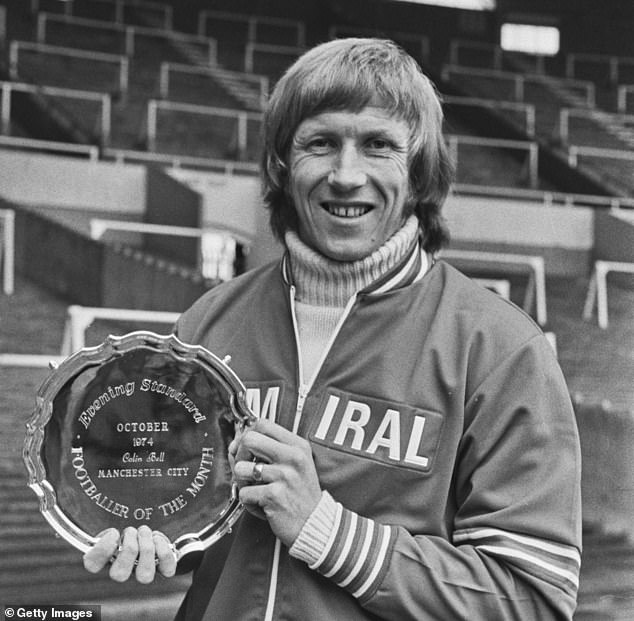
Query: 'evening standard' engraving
[146, 385]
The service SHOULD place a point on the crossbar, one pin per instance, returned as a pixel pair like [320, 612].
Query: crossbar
[70, 52]
[574, 151]
[260, 81]
[91, 151]
[597, 117]
[519, 80]
[536, 287]
[34, 361]
[531, 148]
[229, 167]
[528, 110]
[338, 30]
[55, 91]
[598, 289]
[80, 318]
[98, 226]
[613, 63]
[285, 50]
[242, 118]
[252, 22]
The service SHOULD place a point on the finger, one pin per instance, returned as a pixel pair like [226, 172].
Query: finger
[255, 498]
[256, 510]
[165, 554]
[122, 566]
[258, 446]
[232, 449]
[100, 554]
[252, 498]
[277, 432]
[146, 566]
[253, 472]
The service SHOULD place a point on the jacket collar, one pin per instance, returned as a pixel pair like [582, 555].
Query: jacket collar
[409, 270]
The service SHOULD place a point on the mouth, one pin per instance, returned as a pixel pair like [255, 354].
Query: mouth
[346, 210]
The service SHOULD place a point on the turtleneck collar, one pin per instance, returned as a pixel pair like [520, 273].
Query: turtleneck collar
[320, 281]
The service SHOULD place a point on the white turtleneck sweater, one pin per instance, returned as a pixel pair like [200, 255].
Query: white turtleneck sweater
[324, 287]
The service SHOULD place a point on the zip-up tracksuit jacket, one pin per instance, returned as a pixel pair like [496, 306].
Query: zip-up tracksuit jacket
[439, 420]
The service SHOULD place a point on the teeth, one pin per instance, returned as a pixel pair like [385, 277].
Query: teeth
[347, 212]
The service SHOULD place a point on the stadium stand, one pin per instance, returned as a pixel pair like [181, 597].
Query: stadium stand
[536, 137]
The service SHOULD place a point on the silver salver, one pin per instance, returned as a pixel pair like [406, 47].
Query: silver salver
[135, 431]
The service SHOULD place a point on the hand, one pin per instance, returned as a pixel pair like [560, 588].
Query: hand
[288, 489]
[136, 550]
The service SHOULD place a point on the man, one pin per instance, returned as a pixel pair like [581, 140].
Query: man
[422, 460]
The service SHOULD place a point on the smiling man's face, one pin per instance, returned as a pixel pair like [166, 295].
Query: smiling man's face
[349, 180]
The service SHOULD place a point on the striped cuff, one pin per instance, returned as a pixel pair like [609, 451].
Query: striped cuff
[555, 563]
[351, 550]
[317, 532]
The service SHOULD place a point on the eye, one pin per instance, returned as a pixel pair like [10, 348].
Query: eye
[379, 144]
[320, 144]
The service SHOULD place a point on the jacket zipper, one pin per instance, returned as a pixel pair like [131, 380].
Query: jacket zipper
[303, 390]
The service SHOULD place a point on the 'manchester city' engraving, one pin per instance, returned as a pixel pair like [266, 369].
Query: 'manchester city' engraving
[140, 513]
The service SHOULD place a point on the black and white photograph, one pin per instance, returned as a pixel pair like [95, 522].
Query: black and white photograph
[317, 310]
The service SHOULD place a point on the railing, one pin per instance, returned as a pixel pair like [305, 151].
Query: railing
[574, 151]
[119, 9]
[519, 80]
[528, 110]
[283, 50]
[80, 318]
[613, 63]
[33, 361]
[66, 7]
[565, 114]
[50, 146]
[229, 167]
[217, 243]
[598, 289]
[54, 91]
[622, 95]
[532, 149]
[546, 197]
[129, 33]
[98, 226]
[242, 118]
[44, 48]
[261, 81]
[252, 22]
[8, 250]
[166, 10]
[456, 45]
[536, 288]
[420, 41]
[496, 51]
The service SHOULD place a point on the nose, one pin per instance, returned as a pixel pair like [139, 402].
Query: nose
[348, 172]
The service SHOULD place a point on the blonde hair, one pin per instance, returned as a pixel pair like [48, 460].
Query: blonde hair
[350, 74]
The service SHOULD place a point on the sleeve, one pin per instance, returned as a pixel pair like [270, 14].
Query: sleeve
[207, 569]
[514, 548]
